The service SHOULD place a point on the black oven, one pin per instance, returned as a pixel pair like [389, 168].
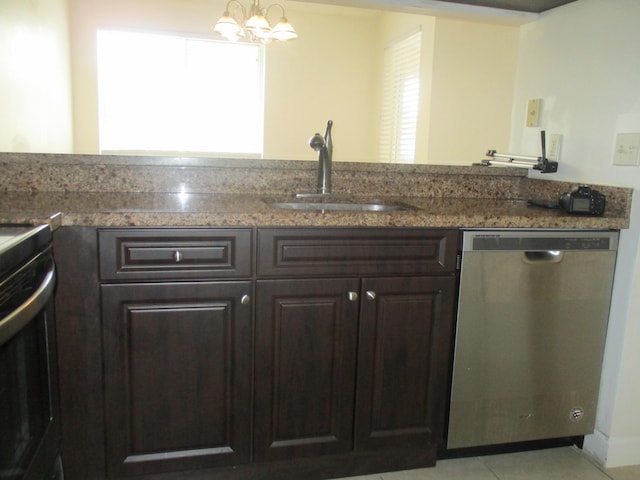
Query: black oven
[29, 405]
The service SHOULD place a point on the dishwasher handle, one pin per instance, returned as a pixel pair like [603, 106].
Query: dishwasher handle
[548, 256]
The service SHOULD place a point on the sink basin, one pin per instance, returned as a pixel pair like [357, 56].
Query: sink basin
[342, 206]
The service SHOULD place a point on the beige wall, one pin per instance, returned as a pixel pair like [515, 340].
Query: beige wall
[472, 93]
[35, 88]
[328, 73]
[86, 16]
[398, 25]
[468, 75]
[308, 81]
[331, 72]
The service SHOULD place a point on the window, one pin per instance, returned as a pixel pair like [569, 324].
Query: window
[170, 93]
[400, 99]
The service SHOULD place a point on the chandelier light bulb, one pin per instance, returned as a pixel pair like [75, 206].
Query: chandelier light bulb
[259, 26]
[255, 27]
[227, 26]
[283, 31]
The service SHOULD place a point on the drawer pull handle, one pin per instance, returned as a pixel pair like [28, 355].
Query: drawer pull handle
[352, 296]
[371, 295]
[245, 300]
[177, 256]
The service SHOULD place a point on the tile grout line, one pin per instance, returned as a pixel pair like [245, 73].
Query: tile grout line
[596, 465]
[581, 452]
[577, 451]
[488, 468]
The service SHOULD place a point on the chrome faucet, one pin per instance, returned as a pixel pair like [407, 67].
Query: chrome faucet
[324, 147]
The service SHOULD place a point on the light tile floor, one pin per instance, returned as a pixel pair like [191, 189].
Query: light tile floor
[566, 463]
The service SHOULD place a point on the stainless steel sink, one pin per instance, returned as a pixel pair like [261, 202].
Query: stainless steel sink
[342, 206]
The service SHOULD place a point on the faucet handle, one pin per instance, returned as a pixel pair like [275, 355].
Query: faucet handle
[327, 137]
[317, 142]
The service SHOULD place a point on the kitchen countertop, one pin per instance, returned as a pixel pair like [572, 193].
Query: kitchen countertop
[176, 209]
[116, 191]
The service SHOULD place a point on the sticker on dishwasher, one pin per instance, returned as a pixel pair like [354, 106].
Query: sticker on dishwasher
[576, 414]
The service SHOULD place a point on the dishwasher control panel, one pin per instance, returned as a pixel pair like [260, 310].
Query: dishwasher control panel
[518, 240]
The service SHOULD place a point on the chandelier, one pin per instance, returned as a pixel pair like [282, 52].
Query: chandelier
[235, 24]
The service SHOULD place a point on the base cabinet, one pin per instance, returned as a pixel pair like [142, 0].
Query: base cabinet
[177, 348]
[350, 364]
[177, 374]
[306, 341]
[253, 353]
[403, 361]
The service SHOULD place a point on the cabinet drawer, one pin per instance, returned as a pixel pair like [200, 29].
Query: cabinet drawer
[174, 253]
[356, 251]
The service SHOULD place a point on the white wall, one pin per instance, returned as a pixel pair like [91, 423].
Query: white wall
[35, 80]
[583, 61]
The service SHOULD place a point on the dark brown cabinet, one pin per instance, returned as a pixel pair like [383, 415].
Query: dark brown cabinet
[177, 355]
[403, 361]
[240, 353]
[306, 340]
[177, 372]
[352, 364]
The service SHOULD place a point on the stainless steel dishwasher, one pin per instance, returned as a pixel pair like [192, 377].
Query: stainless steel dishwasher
[532, 318]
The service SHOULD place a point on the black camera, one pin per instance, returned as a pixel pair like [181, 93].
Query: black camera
[583, 200]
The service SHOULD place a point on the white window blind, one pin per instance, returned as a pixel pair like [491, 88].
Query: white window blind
[176, 94]
[400, 99]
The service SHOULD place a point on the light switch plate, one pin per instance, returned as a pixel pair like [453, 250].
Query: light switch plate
[627, 151]
[533, 112]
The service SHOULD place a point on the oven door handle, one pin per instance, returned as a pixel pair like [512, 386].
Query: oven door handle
[21, 316]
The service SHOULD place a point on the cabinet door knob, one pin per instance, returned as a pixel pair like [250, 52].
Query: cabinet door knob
[352, 296]
[245, 300]
[177, 256]
[371, 295]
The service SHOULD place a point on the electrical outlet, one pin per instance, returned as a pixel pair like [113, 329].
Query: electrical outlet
[533, 112]
[553, 147]
[627, 151]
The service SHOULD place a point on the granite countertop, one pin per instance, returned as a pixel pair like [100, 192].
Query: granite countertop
[175, 209]
[114, 191]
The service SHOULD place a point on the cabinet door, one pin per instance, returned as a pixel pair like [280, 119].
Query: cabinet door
[177, 366]
[403, 361]
[305, 367]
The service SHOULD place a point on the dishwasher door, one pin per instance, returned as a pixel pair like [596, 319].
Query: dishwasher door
[532, 318]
